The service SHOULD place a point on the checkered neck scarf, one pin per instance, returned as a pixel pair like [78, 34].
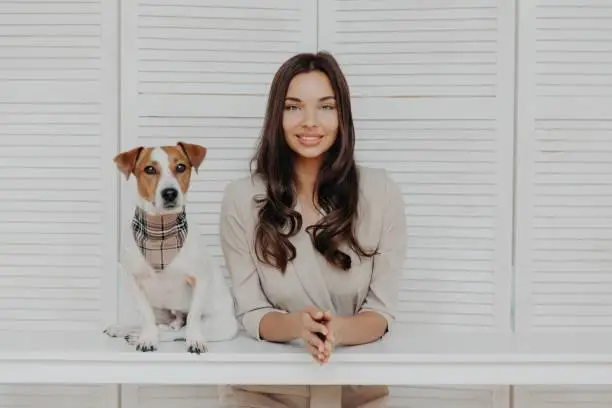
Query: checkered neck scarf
[159, 237]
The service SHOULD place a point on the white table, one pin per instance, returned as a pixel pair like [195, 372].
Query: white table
[404, 358]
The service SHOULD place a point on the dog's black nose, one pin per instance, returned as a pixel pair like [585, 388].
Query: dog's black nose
[169, 194]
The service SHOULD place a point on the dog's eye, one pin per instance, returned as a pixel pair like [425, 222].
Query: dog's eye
[150, 170]
[180, 168]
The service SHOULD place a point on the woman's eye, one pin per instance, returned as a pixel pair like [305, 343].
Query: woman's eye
[328, 107]
[150, 170]
[291, 108]
[180, 168]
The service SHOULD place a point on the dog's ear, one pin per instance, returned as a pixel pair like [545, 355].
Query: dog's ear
[126, 161]
[195, 153]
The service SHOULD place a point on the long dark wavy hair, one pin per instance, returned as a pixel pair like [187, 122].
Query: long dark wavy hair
[337, 184]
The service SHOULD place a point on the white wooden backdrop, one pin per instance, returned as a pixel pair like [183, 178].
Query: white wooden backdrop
[493, 115]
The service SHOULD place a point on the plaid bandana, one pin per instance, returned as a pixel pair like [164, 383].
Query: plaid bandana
[159, 237]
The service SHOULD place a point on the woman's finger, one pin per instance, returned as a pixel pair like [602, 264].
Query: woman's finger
[313, 340]
[320, 357]
[314, 313]
[328, 345]
[315, 327]
[327, 321]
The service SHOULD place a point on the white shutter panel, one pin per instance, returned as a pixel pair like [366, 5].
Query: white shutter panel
[432, 85]
[58, 396]
[187, 396]
[58, 104]
[592, 396]
[199, 71]
[432, 90]
[449, 397]
[564, 212]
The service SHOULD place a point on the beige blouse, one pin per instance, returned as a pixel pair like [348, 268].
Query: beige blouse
[370, 284]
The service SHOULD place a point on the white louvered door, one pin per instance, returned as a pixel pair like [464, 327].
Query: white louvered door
[564, 209]
[432, 85]
[58, 75]
[58, 132]
[200, 71]
[564, 179]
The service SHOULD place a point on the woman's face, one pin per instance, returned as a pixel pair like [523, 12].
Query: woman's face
[310, 118]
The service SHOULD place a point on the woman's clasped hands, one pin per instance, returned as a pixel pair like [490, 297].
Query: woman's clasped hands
[317, 331]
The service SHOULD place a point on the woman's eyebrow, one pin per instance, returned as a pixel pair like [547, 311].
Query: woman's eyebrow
[291, 98]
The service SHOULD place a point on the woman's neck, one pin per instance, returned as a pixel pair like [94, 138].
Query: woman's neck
[306, 173]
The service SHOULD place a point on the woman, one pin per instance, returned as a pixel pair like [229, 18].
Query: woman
[313, 243]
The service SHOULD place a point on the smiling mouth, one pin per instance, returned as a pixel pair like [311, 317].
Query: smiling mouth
[309, 140]
[310, 137]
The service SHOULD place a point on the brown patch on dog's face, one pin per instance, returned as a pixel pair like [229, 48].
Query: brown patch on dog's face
[138, 162]
[194, 152]
[181, 159]
[148, 173]
[179, 166]
[126, 161]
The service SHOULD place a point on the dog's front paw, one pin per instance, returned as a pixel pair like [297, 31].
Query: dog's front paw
[147, 341]
[195, 343]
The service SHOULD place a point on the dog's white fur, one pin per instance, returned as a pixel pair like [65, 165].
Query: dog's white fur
[207, 301]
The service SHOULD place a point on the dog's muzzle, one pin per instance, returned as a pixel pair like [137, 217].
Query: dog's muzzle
[169, 196]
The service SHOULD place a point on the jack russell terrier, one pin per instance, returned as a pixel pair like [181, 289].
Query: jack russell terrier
[176, 283]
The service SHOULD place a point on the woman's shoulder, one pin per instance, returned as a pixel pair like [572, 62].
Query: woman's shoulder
[376, 184]
[240, 192]
[369, 176]
[245, 185]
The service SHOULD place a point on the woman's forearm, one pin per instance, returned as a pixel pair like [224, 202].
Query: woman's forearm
[361, 328]
[279, 327]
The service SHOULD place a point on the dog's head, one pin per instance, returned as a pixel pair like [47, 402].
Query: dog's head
[162, 173]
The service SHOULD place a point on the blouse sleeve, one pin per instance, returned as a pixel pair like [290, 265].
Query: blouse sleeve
[388, 262]
[251, 302]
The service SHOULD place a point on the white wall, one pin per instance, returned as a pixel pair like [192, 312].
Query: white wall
[493, 116]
